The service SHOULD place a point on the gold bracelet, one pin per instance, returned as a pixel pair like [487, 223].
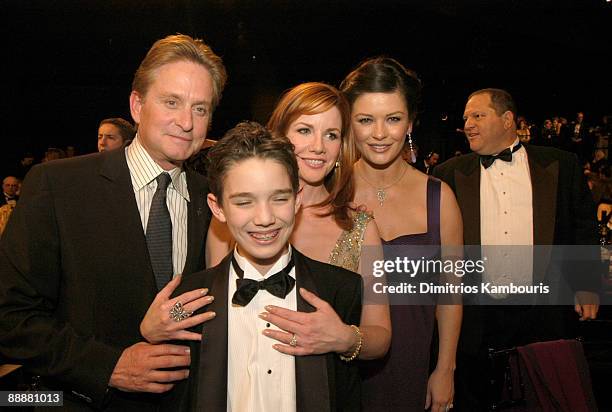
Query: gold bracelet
[347, 357]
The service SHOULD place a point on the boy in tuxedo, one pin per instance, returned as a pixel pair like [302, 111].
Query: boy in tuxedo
[235, 367]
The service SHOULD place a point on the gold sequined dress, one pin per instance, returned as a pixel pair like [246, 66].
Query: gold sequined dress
[5, 213]
[347, 251]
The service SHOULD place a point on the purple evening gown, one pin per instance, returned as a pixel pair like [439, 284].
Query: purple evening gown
[398, 382]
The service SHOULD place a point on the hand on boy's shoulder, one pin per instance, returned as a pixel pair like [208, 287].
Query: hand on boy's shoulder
[329, 275]
[176, 315]
[201, 279]
[196, 280]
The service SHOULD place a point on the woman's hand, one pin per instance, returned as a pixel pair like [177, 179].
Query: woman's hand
[159, 325]
[317, 332]
[440, 390]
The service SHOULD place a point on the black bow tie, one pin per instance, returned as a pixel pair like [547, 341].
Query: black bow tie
[279, 284]
[505, 155]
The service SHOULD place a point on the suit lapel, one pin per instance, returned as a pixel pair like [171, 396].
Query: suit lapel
[544, 181]
[123, 207]
[197, 223]
[123, 210]
[212, 369]
[467, 181]
[311, 378]
[312, 387]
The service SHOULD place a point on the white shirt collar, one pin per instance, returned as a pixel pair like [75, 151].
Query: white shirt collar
[516, 141]
[250, 272]
[144, 169]
[520, 151]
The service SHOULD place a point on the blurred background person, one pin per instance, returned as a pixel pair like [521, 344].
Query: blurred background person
[547, 136]
[70, 151]
[53, 153]
[599, 164]
[10, 191]
[24, 165]
[114, 133]
[580, 138]
[427, 164]
[523, 132]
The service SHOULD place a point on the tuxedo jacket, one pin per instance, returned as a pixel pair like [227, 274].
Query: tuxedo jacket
[323, 382]
[76, 278]
[563, 208]
[563, 212]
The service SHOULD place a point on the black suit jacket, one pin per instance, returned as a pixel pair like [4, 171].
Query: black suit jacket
[323, 382]
[563, 213]
[76, 279]
[563, 208]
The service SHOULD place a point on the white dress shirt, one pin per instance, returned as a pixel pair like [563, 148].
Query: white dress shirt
[259, 378]
[10, 200]
[144, 171]
[506, 218]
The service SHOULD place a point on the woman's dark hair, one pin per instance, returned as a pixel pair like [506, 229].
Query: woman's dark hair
[384, 75]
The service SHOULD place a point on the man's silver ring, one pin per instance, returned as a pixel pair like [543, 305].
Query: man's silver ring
[178, 313]
[293, 341]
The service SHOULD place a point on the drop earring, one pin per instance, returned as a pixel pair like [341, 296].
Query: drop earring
[411, 148]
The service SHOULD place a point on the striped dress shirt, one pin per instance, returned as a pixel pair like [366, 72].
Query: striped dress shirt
[144, 171]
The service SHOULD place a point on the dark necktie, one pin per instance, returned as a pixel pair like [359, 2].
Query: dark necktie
[279, 284]
[159, 234]
[505, 155]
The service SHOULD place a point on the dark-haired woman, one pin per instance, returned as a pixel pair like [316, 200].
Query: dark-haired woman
[410, 208]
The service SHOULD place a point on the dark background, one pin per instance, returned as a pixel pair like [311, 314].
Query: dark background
[69, 64]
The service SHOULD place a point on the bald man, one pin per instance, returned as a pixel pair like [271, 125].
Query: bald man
[10, 189]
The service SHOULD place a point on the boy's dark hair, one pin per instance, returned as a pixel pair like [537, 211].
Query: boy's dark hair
[245, 141]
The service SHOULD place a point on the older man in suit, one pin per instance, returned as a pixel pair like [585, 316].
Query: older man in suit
[94, 238]
[511, 194]
[10, 188]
